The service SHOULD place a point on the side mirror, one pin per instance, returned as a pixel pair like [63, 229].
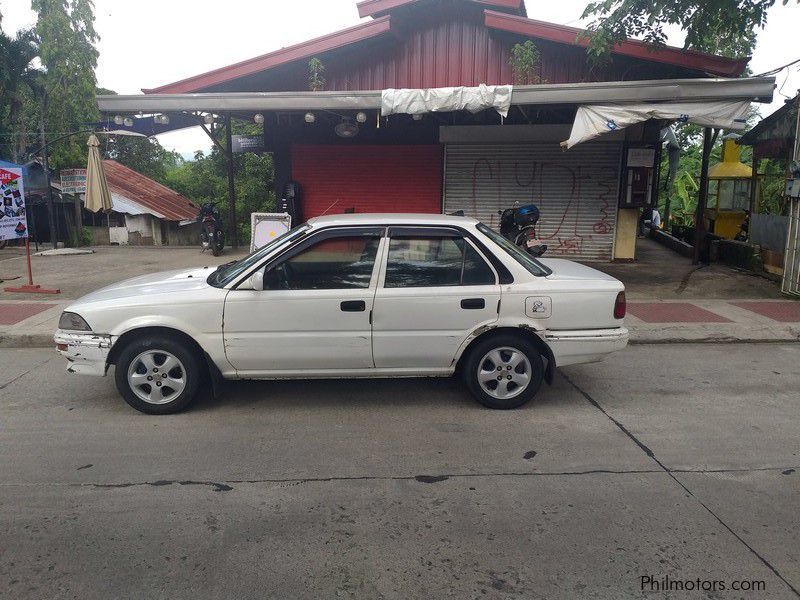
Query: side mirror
[257, 280]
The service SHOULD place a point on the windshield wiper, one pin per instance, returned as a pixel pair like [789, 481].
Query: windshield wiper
[217, 273]
[225, 266]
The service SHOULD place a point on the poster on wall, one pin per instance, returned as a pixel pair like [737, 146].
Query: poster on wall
[265, 227]
[13, 221]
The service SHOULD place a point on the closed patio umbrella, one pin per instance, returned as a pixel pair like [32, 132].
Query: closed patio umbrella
[98, 198]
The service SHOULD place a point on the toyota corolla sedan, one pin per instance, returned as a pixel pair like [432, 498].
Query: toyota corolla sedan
[351, 296]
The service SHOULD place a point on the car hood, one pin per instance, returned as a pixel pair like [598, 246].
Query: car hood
[567, 270]
[166, 282]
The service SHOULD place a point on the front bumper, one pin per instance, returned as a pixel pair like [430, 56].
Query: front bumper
[86, 353]
[586, 346]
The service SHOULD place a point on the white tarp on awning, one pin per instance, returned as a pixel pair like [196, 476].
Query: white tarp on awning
[593, 121]
[449, 99]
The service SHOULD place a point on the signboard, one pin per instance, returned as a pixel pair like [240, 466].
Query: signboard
[73, 181]
[641, 157]
[247, 143]
[265, 227]
[13, 222]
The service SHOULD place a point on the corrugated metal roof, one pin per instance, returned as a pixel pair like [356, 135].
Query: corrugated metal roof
[132, 188]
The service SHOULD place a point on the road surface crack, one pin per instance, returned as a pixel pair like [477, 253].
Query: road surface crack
[671, 474]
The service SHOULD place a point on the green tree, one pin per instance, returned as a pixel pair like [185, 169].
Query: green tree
[67, 38]
[204, 179]
[719, 26]
[143, 155]
[19, 80]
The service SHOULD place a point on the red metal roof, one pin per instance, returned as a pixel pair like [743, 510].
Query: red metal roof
[373, 8]
[459, 36]
[716, 65]
[307, 49]
[148, 193]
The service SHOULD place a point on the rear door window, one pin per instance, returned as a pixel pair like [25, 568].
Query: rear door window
[435, 261]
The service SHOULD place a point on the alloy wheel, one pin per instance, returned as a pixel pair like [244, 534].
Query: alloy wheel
[156, 376]
[504, 372]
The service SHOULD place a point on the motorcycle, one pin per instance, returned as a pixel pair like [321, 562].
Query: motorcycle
[211, 235]
[518, 224]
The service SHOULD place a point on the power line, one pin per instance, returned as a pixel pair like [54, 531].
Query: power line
[778, 69]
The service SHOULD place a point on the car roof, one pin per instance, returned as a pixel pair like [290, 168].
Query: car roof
[391, 219]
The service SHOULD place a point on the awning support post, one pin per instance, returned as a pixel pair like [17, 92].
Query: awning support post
[231, 185]
[702, 201]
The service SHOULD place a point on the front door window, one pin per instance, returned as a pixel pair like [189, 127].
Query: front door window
[335, 263]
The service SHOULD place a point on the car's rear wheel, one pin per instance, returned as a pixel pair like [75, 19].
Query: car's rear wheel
[503, 371]
[158, 375]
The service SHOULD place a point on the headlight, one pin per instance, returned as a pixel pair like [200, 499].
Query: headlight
[73, 322]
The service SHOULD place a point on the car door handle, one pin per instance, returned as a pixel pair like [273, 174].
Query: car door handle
[473, 303]
[353, 306]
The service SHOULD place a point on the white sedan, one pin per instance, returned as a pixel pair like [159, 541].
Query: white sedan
[351, 296]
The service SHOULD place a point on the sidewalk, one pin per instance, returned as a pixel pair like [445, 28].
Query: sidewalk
[742, 320]
[29, 320]
[669, 300]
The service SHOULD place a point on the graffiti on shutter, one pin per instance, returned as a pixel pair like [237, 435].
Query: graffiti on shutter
[576, 191]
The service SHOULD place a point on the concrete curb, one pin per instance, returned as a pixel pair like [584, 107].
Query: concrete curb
[711, 340]
[36, 340]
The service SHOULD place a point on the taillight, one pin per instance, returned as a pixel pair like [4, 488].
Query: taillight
[620, 306]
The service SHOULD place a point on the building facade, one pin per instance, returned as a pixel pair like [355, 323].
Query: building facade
[477, 163]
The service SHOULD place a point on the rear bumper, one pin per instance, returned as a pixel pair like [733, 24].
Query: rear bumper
[575, 347]
[86, 353]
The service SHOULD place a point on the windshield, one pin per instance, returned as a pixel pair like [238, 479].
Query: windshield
[517, 253]
[228, 272]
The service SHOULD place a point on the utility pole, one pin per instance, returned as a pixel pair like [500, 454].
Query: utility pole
[51, 221]
[231, 187]
[699, 218]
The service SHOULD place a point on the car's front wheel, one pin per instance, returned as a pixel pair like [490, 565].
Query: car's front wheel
[503, 371]
[158, 375]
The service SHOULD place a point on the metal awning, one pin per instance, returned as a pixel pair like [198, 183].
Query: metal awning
[757, 89]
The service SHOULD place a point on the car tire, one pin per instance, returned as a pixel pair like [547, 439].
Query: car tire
[158, 375]
[503, 371]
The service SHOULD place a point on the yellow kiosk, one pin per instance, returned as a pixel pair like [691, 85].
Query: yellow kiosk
[728, 191]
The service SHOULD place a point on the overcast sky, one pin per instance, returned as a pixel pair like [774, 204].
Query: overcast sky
[146, 43]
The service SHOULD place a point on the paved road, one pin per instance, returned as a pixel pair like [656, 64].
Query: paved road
[678, 461]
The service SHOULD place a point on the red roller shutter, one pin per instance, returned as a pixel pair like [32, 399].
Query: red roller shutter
[368, 178]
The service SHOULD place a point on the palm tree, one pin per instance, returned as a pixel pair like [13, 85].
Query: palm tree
[18, 76]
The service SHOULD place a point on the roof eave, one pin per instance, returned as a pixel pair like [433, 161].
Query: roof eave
[690, 59]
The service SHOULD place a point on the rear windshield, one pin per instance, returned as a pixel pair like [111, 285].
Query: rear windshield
[526, 260]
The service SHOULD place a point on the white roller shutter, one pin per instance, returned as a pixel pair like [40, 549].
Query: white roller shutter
[576, 191]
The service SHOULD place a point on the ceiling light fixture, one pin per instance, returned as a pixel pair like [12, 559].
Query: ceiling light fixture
[347, 128]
